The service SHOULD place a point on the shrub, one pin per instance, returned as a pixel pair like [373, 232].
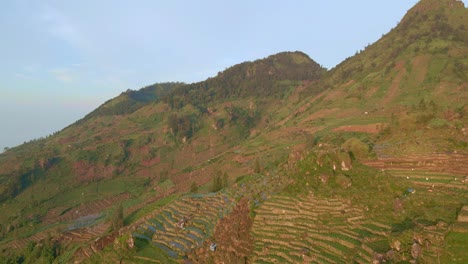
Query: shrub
[356, 147]
[343, 181]
[438, 123]
[194, 187]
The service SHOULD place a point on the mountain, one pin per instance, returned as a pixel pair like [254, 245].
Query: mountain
[274, 160]
[130, 101]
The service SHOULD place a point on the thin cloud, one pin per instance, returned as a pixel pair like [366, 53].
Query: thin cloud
[21, 76]
[59, 26]
[63, 74]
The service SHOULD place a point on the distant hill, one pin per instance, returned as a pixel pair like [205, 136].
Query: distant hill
[131, 100]
[261, 78]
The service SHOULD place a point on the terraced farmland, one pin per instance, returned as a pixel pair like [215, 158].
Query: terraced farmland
[451, 163]
[309, 229]
[91, 208]
[318, 230]
[184, 224]
[429, 171]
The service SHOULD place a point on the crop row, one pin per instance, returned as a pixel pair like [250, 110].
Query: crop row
[185, 224]
[310, 229]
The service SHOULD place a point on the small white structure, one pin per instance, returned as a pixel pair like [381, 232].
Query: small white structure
[213, 247]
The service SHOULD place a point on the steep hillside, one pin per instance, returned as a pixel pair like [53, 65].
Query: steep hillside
[141, 142]
[130, 101]
[276, 161]
[412, 80]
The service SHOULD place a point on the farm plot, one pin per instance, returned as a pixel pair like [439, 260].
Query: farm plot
[456, 164]
[185, 224]
[85, 234]
[61, 214]
[310, 229]
[432, 180]
[91, 208]
[429, 171]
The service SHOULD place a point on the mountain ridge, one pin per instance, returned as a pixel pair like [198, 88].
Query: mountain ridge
[281, 134]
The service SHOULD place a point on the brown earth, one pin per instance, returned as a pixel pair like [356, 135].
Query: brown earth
[232, 236]
[86, 171]
[320, 114]
[300, 110]
[370, 128]
[372, 91]
[395, 86]
[421, 63]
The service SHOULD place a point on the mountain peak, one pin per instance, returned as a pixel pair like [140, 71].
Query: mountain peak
[431, 6]
[435, 18]
[297, 57]
[425, 5]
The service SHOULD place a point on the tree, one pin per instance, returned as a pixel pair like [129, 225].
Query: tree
[257, 168]
[433, 106]
[117, 218]
[225, 180]
[422, 105]
[217, 182]
[194, 187]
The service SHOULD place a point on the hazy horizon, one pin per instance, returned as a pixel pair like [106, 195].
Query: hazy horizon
[61, 60]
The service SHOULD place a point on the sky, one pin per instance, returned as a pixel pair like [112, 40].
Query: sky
[59, 60]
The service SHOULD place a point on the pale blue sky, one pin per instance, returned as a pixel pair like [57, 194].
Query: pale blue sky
[60, 59]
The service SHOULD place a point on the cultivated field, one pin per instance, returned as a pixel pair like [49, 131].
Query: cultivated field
[184, 224]
[317, 230]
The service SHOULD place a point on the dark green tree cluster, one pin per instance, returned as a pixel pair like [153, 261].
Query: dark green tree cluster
[243, 119]
[45, 252]
[153, 92]
[194, 187]
[132, 100]
[257, 166]
[13, 184]
[184, 125]
[117, 220]
[220, 181]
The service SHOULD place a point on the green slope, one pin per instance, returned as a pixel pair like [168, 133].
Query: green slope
[275, 125]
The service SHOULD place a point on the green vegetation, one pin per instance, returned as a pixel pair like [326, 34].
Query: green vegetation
[258, 79]
[345, 165]
[130, 101]
[456, 248]
[220, 181]
[117, 219]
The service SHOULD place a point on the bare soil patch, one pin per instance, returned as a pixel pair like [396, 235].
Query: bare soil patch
[370, 128]
[395, 86]
[420, 65]
[232, 236]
